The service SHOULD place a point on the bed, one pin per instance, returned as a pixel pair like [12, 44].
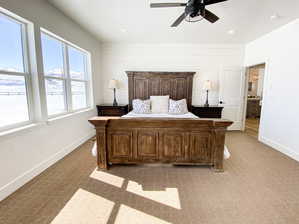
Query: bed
[139, 139]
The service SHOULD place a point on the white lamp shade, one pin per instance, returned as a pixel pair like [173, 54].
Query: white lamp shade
[113, 84]
[207, 85]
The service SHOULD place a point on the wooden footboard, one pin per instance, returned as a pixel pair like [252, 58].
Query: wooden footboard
[160, 140]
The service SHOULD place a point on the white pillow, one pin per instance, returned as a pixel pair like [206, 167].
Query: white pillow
[141, 106]
[178, 107]
[159, 104]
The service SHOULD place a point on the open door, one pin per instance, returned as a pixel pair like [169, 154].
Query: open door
[231, 95]
[253, 99]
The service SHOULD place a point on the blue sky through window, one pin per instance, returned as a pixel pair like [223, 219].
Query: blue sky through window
[77, 63]
[13, 88]
[52, 51]
[11, 52]
[53, 58]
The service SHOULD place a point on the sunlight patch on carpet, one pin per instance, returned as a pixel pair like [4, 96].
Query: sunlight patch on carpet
[169, 196]
[128, 215]
[107, 178]
[85, 207]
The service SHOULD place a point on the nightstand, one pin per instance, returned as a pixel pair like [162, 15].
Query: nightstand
[207, 112]
[109, 110]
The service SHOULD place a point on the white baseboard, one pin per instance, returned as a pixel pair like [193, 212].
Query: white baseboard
[14, 185]
[281, 148]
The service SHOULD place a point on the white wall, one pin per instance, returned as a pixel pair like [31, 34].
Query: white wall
[206, 60]
[280, 50]
[26, 153]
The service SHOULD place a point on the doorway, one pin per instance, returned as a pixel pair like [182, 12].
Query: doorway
[254, 99]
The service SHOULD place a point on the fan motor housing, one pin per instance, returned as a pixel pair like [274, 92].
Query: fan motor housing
[194, 8]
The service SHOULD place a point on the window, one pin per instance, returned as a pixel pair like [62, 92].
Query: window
[14, 74]
[78, 75]
[66, 76]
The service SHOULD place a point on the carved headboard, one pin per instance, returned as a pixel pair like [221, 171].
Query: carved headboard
[178, 85]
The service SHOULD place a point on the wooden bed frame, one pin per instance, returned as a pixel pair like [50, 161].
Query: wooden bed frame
[160, 140]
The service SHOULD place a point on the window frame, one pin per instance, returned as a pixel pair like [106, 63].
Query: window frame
[26, 72]
[67, 80]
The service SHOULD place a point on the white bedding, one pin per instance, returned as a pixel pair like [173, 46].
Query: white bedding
[187, 115]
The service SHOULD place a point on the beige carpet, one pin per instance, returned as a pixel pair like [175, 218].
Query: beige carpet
[259, 185]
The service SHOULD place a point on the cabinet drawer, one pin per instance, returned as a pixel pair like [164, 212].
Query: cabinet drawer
[104, 110]
[112, 112]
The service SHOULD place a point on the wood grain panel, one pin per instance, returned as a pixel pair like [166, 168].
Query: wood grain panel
[141, 89]
[179, 88]
[172, 146]
[200, 145]
[154, 87]
[120, 145]
[147, 145]
[101, 147]
[166, 90]
[178, 85]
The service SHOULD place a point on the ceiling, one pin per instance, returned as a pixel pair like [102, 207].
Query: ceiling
[133, 21]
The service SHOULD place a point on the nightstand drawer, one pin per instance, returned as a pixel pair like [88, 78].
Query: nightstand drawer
[107, 110]
[112, 112]
[207, 112]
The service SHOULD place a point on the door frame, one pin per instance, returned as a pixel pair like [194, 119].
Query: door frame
[266, 63]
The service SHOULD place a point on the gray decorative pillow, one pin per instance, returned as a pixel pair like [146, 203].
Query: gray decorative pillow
[178, 107]
[141, 106]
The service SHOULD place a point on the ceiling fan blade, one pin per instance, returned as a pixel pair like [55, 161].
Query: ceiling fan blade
[179, 20]
[211, 17]
[210, 2]
[162, 5]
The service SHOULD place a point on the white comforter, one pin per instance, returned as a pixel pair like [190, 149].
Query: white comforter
[187, 115]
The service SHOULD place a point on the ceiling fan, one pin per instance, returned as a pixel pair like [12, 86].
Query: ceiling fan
[195, 10]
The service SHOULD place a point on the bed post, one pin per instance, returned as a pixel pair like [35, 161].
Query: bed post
[219, 142]
[100, 124]
[101, 148]
[131, 88]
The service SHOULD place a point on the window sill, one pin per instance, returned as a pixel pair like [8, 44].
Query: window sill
[68, 115]
[30, 127]
[20, 130]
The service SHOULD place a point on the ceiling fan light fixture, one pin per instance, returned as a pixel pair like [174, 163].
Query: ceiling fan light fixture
[195, 11]
[195, 19]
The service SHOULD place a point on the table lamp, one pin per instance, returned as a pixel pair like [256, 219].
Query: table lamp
[113, 84]
[207, 87]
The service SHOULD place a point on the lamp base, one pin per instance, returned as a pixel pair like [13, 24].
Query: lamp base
[115, 104]
[114, 101]
[207, 100]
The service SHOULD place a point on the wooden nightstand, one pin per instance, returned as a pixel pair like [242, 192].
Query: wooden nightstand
[207, 112]
[109, 110]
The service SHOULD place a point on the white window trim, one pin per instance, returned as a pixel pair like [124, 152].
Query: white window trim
[67, 78]
[26, 72]
[35, 79]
